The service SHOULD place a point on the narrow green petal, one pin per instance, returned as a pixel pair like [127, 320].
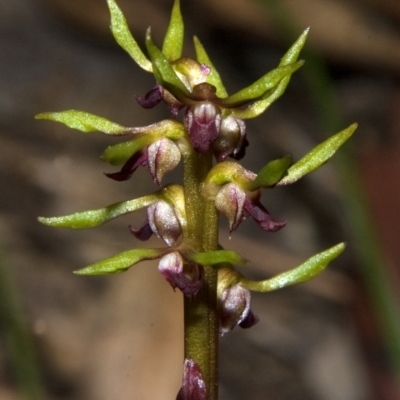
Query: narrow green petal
[120, 30]
[84, 122]
[120, 262]
[318, 156]
[92, 218]
[272, 173]
[213, 78]
[163, 71]
[312, 267]
[218, 257]
[173, 41]
[261, 86]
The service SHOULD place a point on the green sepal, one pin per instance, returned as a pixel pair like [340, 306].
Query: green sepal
[120, 262]
[259, 107]
[164, 73]
[218, 257]
[229, 171]
[84, 122]
[318, 156]
[272, 173]
[309, 269]
[261, 86]
[173, 41]
[120, 30]
[92, 218]
[213, 78]
[143, 137]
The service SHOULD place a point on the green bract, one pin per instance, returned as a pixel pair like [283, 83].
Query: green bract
[306, 271]
[84, 122]
[317, 156]
[120, 262]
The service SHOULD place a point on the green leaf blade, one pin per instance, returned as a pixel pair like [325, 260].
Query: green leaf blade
[318, 156]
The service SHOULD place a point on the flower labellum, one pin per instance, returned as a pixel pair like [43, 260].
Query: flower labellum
[151, 98]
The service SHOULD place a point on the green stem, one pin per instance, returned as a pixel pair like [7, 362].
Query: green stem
[201, 322]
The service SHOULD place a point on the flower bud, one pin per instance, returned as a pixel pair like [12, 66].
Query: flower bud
[231, 138]
[234, 309]
[230, 201]
[163, 222]
[163, 156]
[193, 385]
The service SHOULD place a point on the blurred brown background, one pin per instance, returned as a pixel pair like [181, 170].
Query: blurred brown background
[120, 337]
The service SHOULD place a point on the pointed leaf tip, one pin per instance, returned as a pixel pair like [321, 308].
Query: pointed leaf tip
[120, 30]
[173, 41]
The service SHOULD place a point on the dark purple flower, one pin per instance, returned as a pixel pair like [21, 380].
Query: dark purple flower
[159, 157]
[236, 204]
[193, 385]
[186, 276]
[234, 309]
[203, 122]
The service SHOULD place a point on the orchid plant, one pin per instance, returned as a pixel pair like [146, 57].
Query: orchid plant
[209, 140]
